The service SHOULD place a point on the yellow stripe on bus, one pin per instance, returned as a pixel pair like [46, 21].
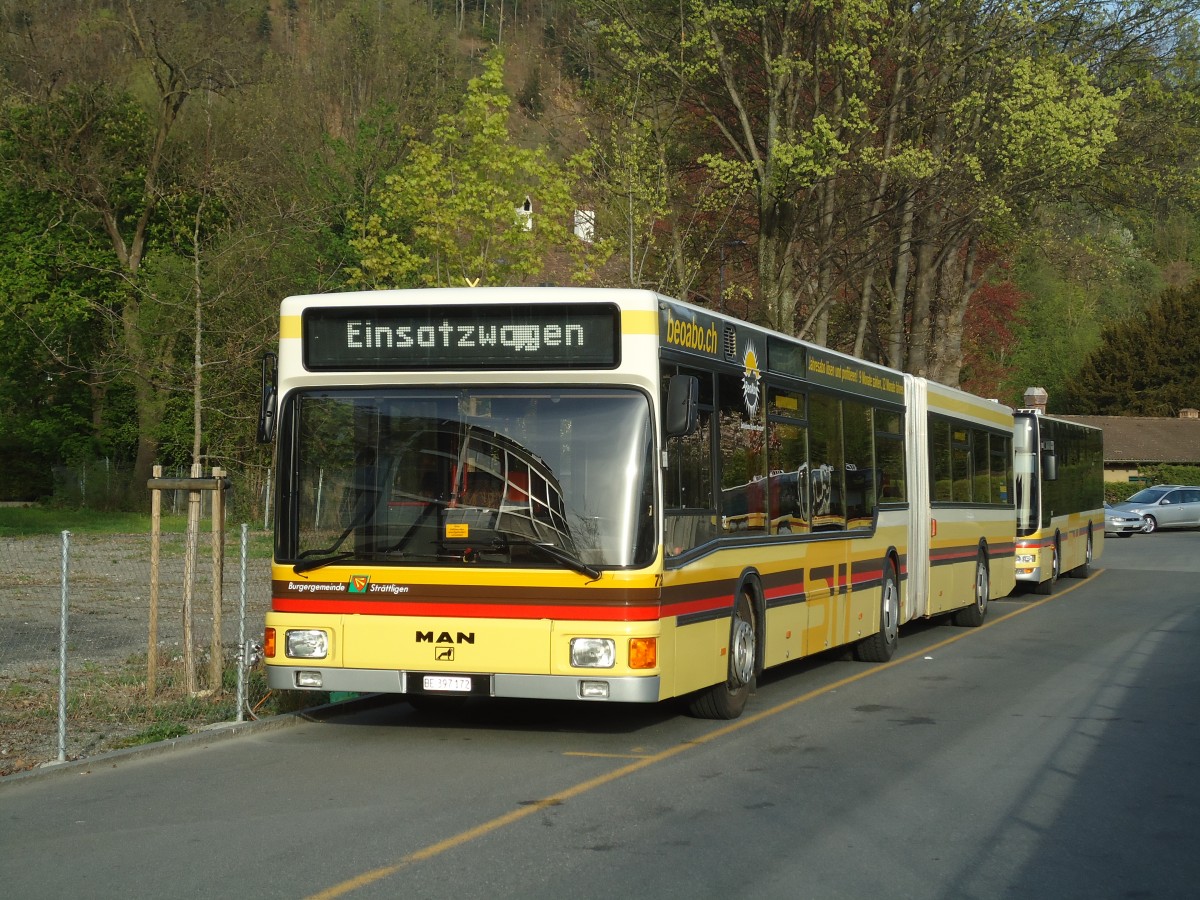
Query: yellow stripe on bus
[289, 327]
[974, 408]
[639, 322]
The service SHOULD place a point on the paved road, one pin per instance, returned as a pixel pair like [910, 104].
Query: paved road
[1051, 753]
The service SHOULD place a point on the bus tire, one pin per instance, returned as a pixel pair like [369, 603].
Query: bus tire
[972, 616]
[1085, 569]
[881, 646]
[727, 699]
[1047, 586]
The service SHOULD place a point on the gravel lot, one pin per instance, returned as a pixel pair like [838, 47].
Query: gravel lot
[108, 590]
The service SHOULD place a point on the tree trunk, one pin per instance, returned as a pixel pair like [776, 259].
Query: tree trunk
[897, 343]
[921, 350]
[775, 265]
[961, 281]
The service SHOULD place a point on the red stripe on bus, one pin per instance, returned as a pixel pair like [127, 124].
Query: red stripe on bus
[475, 610]
[784, 590]
[506, 611]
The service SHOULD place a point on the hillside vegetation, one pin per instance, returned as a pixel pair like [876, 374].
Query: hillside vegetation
[987, 194]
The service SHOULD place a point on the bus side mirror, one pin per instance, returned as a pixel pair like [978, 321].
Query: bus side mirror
[682, 411]
[267, 406]
[1049, 462]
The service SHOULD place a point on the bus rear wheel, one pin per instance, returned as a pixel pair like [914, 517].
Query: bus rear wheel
[727, 699]
[1085, 569]
[972, 616]
[881, 646]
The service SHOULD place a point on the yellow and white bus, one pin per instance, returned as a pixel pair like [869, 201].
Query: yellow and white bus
[1060, 498]
[607, 495]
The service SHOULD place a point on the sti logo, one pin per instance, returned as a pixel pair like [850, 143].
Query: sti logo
[358, 584]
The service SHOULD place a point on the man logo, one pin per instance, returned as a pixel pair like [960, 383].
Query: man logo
[459, 637]
[443, 654]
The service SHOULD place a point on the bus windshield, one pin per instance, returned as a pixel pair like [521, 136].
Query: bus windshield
[469, 477]
[1025, 473]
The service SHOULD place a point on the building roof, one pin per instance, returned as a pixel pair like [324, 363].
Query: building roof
[1133, 439]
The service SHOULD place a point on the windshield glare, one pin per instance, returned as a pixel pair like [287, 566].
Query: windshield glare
[471, 477]
[1147, 495]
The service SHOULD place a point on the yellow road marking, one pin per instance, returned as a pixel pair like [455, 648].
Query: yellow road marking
[643, 762]
[606, 755]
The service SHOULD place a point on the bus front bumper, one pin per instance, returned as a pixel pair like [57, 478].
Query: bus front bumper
[1029, 565]
[624, 689]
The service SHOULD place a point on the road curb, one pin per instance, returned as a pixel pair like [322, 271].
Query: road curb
[215, 733]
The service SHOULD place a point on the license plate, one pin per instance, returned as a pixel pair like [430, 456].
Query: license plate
[446, 683]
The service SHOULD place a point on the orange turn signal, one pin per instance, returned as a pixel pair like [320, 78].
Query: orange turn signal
[269, 643]
[643, 653]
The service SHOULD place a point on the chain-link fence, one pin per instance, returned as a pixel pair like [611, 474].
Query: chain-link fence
[90, 693]
[99, 484]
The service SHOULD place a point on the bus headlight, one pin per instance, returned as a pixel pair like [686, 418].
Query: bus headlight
[307, 643]
[593, 653]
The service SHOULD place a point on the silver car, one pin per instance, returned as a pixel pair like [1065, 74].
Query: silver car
[1121, 523]
[1165, 506]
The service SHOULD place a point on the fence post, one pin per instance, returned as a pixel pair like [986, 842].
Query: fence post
[241, 669]
[189, 583]
[155, 541]
[62, 652]
[216, 652]
[320, 491]
[267, 504]
[195, 485]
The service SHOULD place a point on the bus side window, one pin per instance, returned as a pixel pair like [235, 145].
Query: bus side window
[939, 460]
[981, 469]
[889, 457]
[690, 506]
[1001, 482]
[826, 474]
[858, 430]
[742, 460]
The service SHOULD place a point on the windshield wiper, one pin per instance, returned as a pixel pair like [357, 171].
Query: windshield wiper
[550, 551]
[307, 565]
[327, 555]
[391, 554]
[431, 505]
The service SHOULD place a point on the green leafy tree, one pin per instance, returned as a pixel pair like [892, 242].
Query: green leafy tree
[1101, 253]
[48, 335]
[1077, 272]
[1147, 365]
[783, 90]
[880, 151]
[452, 214]
[96, 123]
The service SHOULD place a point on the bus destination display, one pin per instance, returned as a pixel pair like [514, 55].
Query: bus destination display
[525, 336]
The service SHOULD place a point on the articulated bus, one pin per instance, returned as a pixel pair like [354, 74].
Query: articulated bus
[608, 495]
[1060, 498]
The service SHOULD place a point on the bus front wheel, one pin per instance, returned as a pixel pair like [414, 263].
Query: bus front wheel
[1047, 586]
[727, 699]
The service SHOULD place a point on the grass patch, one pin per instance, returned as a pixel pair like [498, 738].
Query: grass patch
[164, 731]
[35, 521]
[29, 521]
